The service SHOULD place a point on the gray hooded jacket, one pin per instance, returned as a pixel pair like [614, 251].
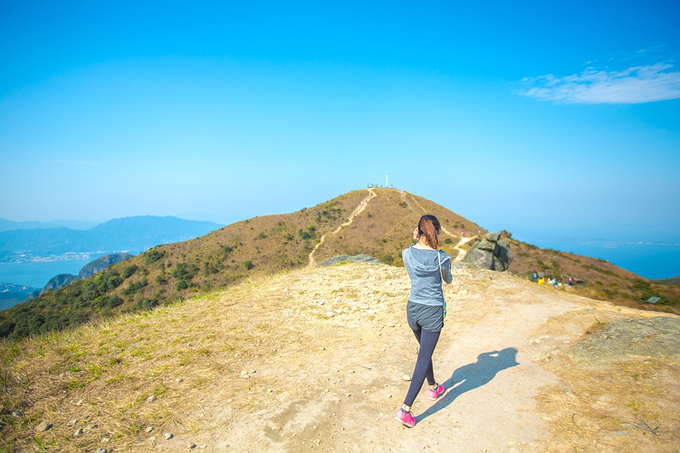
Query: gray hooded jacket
[423, 269]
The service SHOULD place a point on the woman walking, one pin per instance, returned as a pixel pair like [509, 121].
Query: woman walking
[427, 266]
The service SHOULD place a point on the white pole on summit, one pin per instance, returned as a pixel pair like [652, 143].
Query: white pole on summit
[386, 185]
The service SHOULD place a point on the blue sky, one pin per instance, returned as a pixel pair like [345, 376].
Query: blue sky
[543, 118]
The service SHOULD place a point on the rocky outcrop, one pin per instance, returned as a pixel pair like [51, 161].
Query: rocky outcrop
[361, 258]
[623, 340]
[492, 253]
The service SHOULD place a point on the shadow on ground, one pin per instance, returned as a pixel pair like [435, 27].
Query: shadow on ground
[472, 376]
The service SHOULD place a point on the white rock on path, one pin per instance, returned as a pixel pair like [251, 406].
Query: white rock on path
[43, 426]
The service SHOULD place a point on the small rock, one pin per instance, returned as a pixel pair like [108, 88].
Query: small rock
[79, 432]
[101, 450]
[168, 436]
[179, 380]
[43, 426]
[17, 414]
[191, 445]
[72, 422]
[389, 395]
[151, 399]
[352, 371]
[348, 394]
[269, 390]
[245, 376]
[406, 377]
[79, 403]
[106, 440]
[149, 429]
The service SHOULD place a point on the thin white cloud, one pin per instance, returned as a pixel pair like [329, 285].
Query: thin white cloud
[635, 85]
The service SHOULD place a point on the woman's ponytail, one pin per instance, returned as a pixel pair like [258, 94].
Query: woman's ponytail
[429, 226]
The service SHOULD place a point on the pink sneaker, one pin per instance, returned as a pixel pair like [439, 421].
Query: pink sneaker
[436, 393]
[406, 418]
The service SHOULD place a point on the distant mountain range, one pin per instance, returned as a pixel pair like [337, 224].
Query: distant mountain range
[130, 234]
[11, 294]
[7, 225]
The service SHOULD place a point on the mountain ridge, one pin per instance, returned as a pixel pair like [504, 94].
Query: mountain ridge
[380, 226]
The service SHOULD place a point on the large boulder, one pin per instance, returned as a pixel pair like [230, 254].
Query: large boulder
[492, 253]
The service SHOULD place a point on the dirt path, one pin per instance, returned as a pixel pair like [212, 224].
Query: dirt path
[461, 252]
[358, 210]
[335, 380]
[403, 197]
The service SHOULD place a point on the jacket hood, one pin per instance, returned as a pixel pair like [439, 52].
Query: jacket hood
[423, 261]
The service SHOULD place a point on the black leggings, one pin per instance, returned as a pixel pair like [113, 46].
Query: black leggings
[428, 341]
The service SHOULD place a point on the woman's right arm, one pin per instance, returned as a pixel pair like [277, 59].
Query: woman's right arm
[446, 271]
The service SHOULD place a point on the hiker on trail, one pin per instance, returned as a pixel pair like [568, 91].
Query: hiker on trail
[427, 266]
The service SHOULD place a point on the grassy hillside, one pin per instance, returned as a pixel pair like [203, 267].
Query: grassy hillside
[377, 222]
[602, 279]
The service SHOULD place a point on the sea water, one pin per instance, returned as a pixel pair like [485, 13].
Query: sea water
[647, 259]
[37, 274]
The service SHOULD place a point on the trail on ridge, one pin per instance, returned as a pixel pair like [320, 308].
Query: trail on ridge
[461, 252]
[358, 210]
[403, 197]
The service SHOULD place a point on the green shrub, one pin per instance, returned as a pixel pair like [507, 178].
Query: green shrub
[182, 285]
[146, 304]
[184, 271]
[309, 234]
[129, 271]
[153, 255]
[114, 301]
[134, 287]
[114, 282]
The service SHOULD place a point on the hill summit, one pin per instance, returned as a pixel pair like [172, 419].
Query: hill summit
[375, 222]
